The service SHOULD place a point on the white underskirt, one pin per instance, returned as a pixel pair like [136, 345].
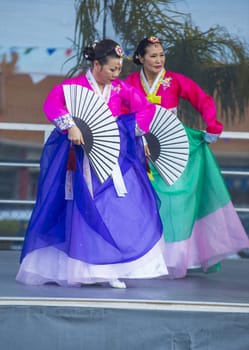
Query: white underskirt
[52, 265]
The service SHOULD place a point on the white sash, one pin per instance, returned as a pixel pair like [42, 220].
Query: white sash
[117, 177]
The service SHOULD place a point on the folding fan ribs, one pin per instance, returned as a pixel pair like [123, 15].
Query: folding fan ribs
[168, 144]
[98, 126]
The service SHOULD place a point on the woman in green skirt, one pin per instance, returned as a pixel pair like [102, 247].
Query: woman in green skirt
[201, 226]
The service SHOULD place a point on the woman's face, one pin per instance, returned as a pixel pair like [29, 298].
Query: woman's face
[154, 59]
[106, 73]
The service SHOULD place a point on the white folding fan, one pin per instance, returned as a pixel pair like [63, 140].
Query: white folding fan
[98, 126]
[168, 144]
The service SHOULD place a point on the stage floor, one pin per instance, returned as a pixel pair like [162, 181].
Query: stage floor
[227, 288]
[199, 312]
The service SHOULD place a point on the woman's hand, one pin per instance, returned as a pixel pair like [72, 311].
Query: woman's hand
[211, 138]
[75, 136]
[147, 150]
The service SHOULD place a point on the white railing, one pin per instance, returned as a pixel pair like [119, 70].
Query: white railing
[46, 129]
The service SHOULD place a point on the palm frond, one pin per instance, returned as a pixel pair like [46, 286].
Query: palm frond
[216, 60]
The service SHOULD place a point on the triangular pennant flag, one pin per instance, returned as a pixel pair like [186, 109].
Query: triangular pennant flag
[28, 50]
[50, 51]
[37, 77]
[68, 52]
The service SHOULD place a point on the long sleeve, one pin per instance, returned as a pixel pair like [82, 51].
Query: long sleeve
[55, 105]
[200, 100]
[175, 86]
[55, 109]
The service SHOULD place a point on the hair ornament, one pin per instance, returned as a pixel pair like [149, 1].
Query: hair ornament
[94, 44]
[153, 40]
[119, 51]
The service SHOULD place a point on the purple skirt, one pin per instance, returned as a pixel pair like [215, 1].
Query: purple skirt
[105, 228]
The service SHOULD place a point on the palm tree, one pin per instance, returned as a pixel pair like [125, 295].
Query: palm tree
[128, 20]
[215, 59]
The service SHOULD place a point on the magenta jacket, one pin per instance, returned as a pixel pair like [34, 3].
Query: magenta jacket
[175, 86]
[123, 97]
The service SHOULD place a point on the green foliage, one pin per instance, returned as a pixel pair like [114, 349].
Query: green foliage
[216, 61]
[130, 21]
[134, 20]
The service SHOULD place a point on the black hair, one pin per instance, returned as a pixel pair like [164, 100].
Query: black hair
[141, 49]
[101, 50]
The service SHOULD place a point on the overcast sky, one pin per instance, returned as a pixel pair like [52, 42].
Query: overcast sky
[50, 24]
[232, 14]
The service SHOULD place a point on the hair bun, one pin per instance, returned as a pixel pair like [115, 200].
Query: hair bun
[136, 59]
[88, 53]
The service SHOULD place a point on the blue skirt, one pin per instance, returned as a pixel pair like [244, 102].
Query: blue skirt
[98, 229]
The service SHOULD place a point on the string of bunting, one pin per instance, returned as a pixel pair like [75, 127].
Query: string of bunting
[48, 50]
[28, 50]
[31, 60]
